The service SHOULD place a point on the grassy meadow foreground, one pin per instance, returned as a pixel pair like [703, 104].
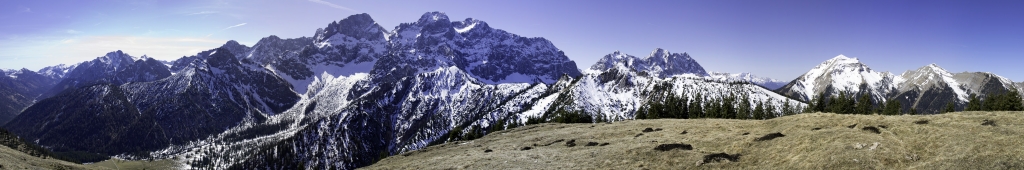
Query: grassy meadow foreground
[961, 140]
[13, 159]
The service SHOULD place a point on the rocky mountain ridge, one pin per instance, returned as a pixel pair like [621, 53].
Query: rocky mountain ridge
[927, 89]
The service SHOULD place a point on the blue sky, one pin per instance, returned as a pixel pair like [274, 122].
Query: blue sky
[777, 39]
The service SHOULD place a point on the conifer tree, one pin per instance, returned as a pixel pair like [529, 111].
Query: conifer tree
[730, 106]
[668, 108]
[717, 104]
[864, 104]
[810, 106]
[769, 110]
[695, 107]
[846, 105]
[744, 108]
[683, 109]
[709, 108]
[833, 105]
[973, 104]
[950, 107]
[988, 103]
[1015, 102]
[653, 110]
[787, 109]
[892, 108]
[881, 107]
[822, 104]
[759, 111]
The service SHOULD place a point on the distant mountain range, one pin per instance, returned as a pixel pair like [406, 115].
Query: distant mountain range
[928, 89]
[355, 91]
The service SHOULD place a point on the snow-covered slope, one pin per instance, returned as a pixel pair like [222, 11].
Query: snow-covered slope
[927, 89]
[57, 72]
[842, 74]
[620, 92]
[769, 83]
[437, 76]
[930, 77]
[407, 104]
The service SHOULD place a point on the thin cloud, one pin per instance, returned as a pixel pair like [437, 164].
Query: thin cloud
[70, 31]
[332, 5]
[204, 13]
[239, 25]
[225, 29]
[26, 9]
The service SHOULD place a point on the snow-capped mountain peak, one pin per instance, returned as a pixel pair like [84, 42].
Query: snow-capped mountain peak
[658, 52]
[932, 76]
[116, 59]
[660, 62]
[841, 74]
[843, 59]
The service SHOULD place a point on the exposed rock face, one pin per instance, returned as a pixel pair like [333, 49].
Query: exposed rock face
[660, 63]
[436, 76]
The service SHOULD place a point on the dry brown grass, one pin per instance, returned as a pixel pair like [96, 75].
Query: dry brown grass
[810, 141]
[13, 159]
[115, 163]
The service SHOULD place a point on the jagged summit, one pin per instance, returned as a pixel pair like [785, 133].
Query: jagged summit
[660, 53]
[115, 59]
[353, 28]
[492, 56]
[432, 17]
[660, 62]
